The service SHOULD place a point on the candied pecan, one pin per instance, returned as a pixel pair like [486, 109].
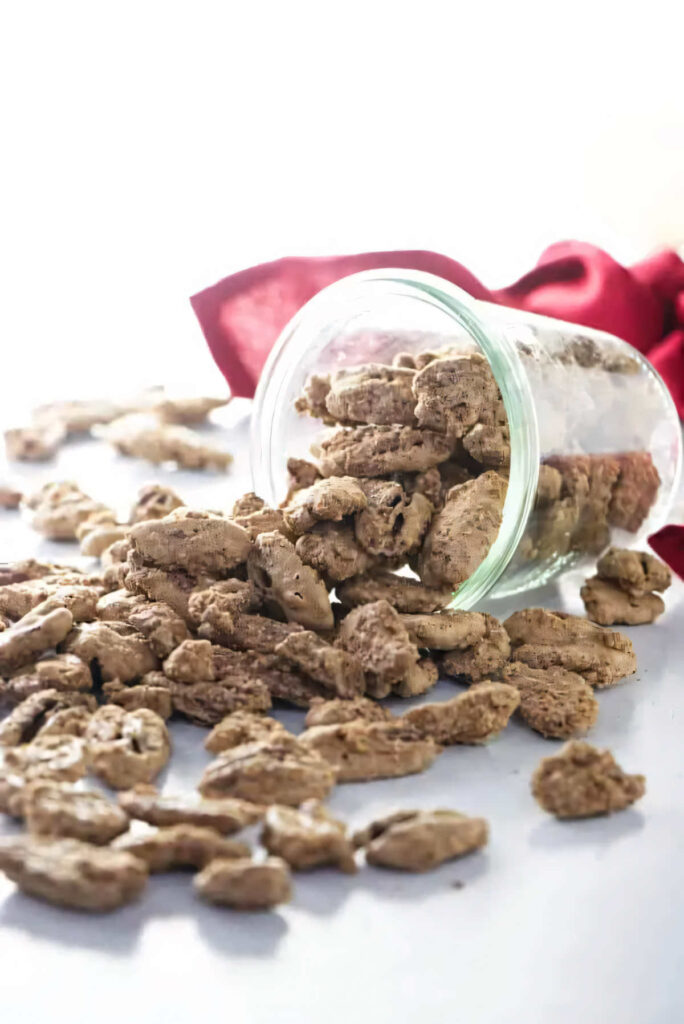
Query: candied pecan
[473, 717]
[142, 695]
[154, 501]
[163, 628]
[101, 538]
[226, 816]
[242, 727]
[609, 605]
[489, 444]
[249, 632]
[18, 599]
[308, 837]
[33, 444]
[266, 520]
[332, 549]
[76, 417]
[372, 393]
[10, 498]
[453, 394]
[376, 451]
[42, 628]
[36, 713]
[244, 884]
[53, 493]
[335, 669]
[60, 508]
[460, 536]
[246, 504]
[145, 437]
[279, 572]
[57, 810]
[484, 658]
[187, 410]
[280, 770]
[70, 873]
[445, 631]
[199, 542]
[289, 686]
[635, 491]
[331, 498]
[206, 703]
[337, 711]
[554, 702]
[174, 847]
[420, 678]
[403, 593]
[421, 840]
[119, 651]
[359, 750]
[313, 399]
[26, 569]
[581, 781]
[542, 639]
[117, 605]
[301, 474]
[549, 485]
[219, 603]
[125, 747]
[54, 672]
[47, 757]
[173, 587]
[69, 721]
[636, 572]
[392, 524]
[374, 634]
[191, 662]
[588, 480]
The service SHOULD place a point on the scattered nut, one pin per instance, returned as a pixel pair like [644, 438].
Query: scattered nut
[421, 840]
[473, 717]
[337, 712]
[308, 837]
[543, 639]
[582, 781]
[174, 847]
[244, 884]
[556, 703]
[278, 571]
[126, 747]
[70, 873]
[226, 816]
[242, 727]
[360, 751]
[269, 771]
[57, 810]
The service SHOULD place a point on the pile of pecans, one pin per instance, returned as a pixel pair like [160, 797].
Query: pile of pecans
[217, 617]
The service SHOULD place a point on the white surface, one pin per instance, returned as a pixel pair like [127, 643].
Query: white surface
[553, 923]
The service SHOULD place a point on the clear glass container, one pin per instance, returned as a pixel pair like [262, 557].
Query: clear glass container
[569, 393]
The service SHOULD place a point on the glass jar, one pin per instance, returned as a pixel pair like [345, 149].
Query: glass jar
[595, 440]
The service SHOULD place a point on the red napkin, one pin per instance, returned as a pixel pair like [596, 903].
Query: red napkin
[242, 315]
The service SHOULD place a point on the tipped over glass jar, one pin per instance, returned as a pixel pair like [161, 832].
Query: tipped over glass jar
[532, 444]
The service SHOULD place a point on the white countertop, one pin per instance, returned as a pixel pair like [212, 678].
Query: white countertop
[554, 924]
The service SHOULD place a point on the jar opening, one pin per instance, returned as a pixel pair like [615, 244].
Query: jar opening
[417, 307]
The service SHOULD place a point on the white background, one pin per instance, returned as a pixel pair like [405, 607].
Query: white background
[147, 150]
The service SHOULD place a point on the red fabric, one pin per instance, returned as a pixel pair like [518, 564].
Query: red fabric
[243, 314]
[668, 544]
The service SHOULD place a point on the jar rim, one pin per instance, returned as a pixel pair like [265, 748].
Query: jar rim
[306, 330]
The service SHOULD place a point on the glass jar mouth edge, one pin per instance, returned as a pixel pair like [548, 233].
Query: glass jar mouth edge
[510, 377]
